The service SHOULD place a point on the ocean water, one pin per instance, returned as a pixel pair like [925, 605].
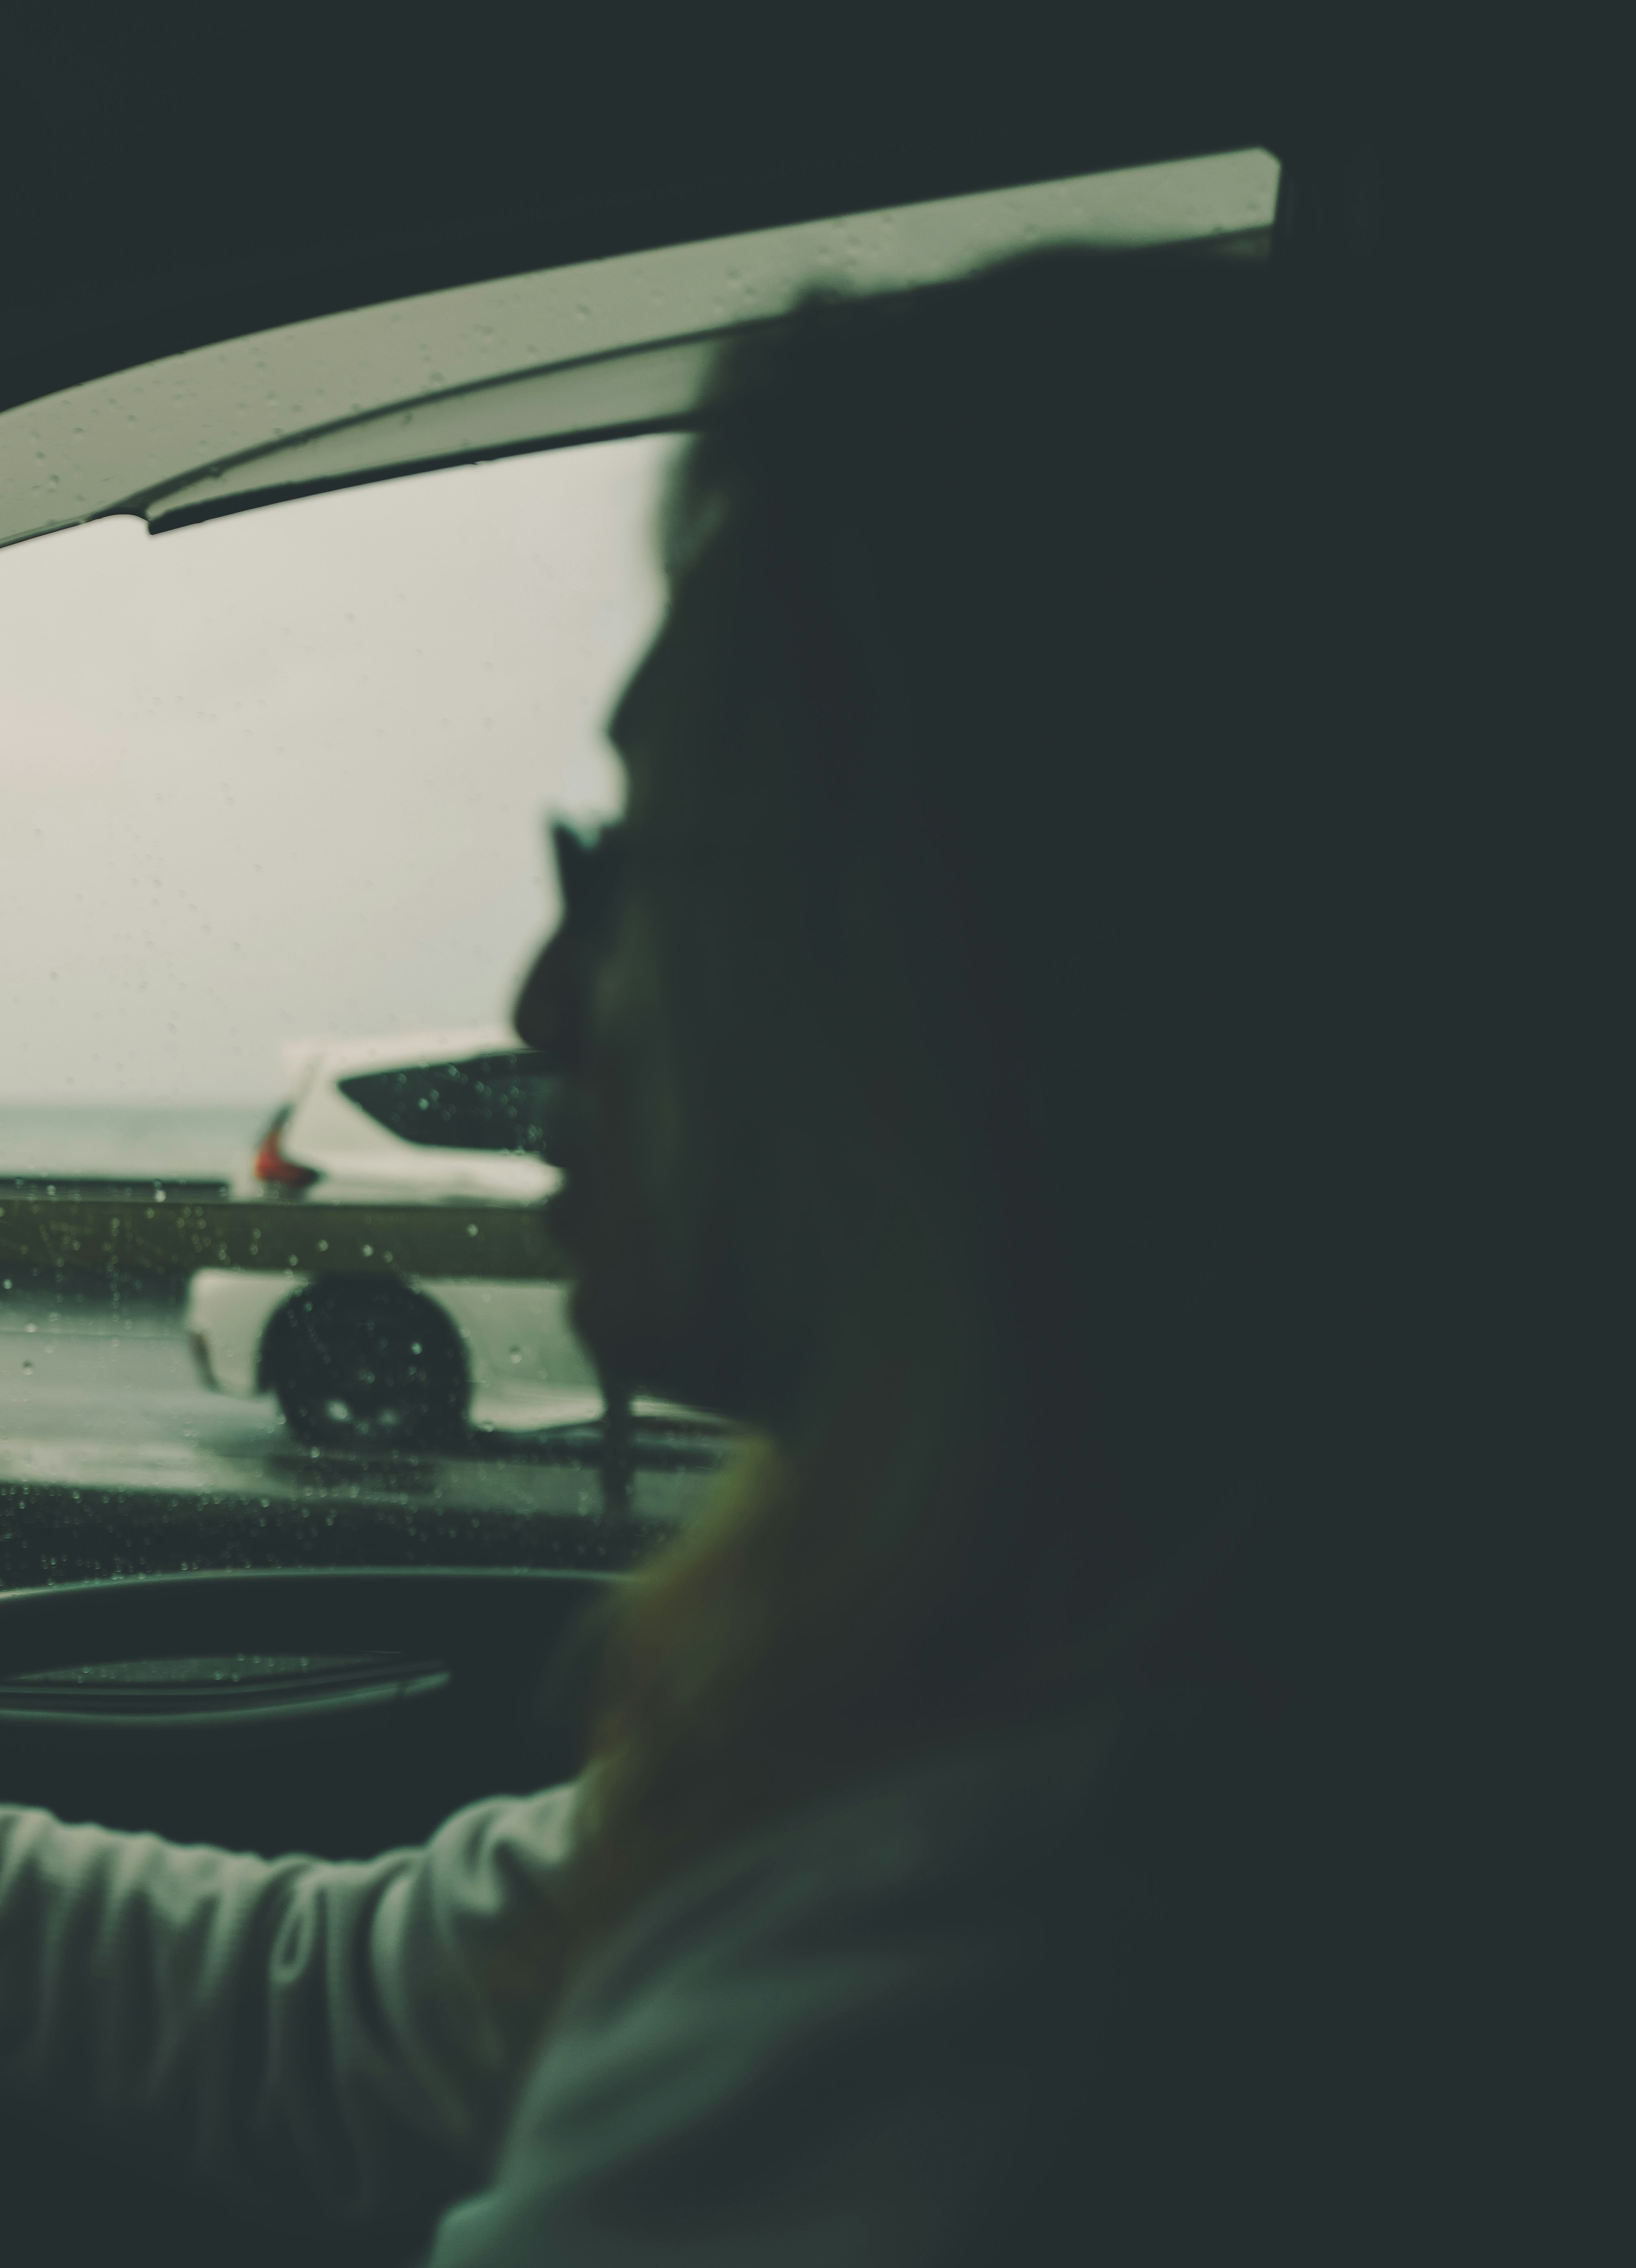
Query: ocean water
[180, 1142]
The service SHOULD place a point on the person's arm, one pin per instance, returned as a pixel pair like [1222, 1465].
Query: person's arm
[285, 2029]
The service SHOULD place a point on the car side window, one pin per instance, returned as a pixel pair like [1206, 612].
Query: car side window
[272, 1280]
[491, 1102]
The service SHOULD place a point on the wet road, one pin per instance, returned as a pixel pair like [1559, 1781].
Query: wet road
[101, 1393]
[74, 1370]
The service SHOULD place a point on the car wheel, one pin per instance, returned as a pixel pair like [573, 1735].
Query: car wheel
[367, 1366]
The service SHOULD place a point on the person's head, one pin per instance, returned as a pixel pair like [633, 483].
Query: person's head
[956, 887]
[973, 1090]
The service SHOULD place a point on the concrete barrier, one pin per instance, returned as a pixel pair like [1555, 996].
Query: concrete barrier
[156, 1235]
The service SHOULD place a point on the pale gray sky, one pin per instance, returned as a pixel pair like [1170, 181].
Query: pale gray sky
[284, 775]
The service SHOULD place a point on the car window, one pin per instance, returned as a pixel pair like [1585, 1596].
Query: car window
[278, 862]
[274, 1284]
[491, 1102]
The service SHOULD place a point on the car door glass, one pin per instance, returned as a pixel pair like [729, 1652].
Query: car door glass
[275, 867]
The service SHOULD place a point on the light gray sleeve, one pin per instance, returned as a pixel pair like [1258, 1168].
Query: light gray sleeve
[290, 2028]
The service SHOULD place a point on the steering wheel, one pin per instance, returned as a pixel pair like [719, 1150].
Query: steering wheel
[496, 1630]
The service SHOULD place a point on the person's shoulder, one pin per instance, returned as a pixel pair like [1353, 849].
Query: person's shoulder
[861, 2008]
[960, 1820]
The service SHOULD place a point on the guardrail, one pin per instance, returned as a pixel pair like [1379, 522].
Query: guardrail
[156, 1235]
[126, 1188]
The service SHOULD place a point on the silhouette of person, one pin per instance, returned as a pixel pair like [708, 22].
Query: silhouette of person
[1029, 1052]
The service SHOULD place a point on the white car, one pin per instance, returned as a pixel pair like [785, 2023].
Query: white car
[399, 1362]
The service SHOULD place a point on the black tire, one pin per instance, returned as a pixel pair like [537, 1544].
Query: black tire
[364, 1366]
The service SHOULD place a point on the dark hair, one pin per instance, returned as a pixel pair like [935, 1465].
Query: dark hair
[1055, 793]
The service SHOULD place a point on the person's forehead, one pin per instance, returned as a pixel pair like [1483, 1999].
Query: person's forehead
[624, 720]
[675, 670]
[636, 702]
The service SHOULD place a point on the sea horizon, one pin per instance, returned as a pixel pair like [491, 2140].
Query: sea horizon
[137, 1140]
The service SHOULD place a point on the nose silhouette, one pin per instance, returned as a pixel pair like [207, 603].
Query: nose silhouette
[549, 1014]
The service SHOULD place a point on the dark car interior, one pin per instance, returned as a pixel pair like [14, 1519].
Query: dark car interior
[181, 177]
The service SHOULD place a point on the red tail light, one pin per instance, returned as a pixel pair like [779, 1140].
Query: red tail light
[271, 1165]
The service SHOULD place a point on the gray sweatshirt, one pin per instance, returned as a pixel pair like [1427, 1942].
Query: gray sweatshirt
[834, 2042]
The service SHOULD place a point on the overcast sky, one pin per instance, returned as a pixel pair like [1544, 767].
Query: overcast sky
[284, 775]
